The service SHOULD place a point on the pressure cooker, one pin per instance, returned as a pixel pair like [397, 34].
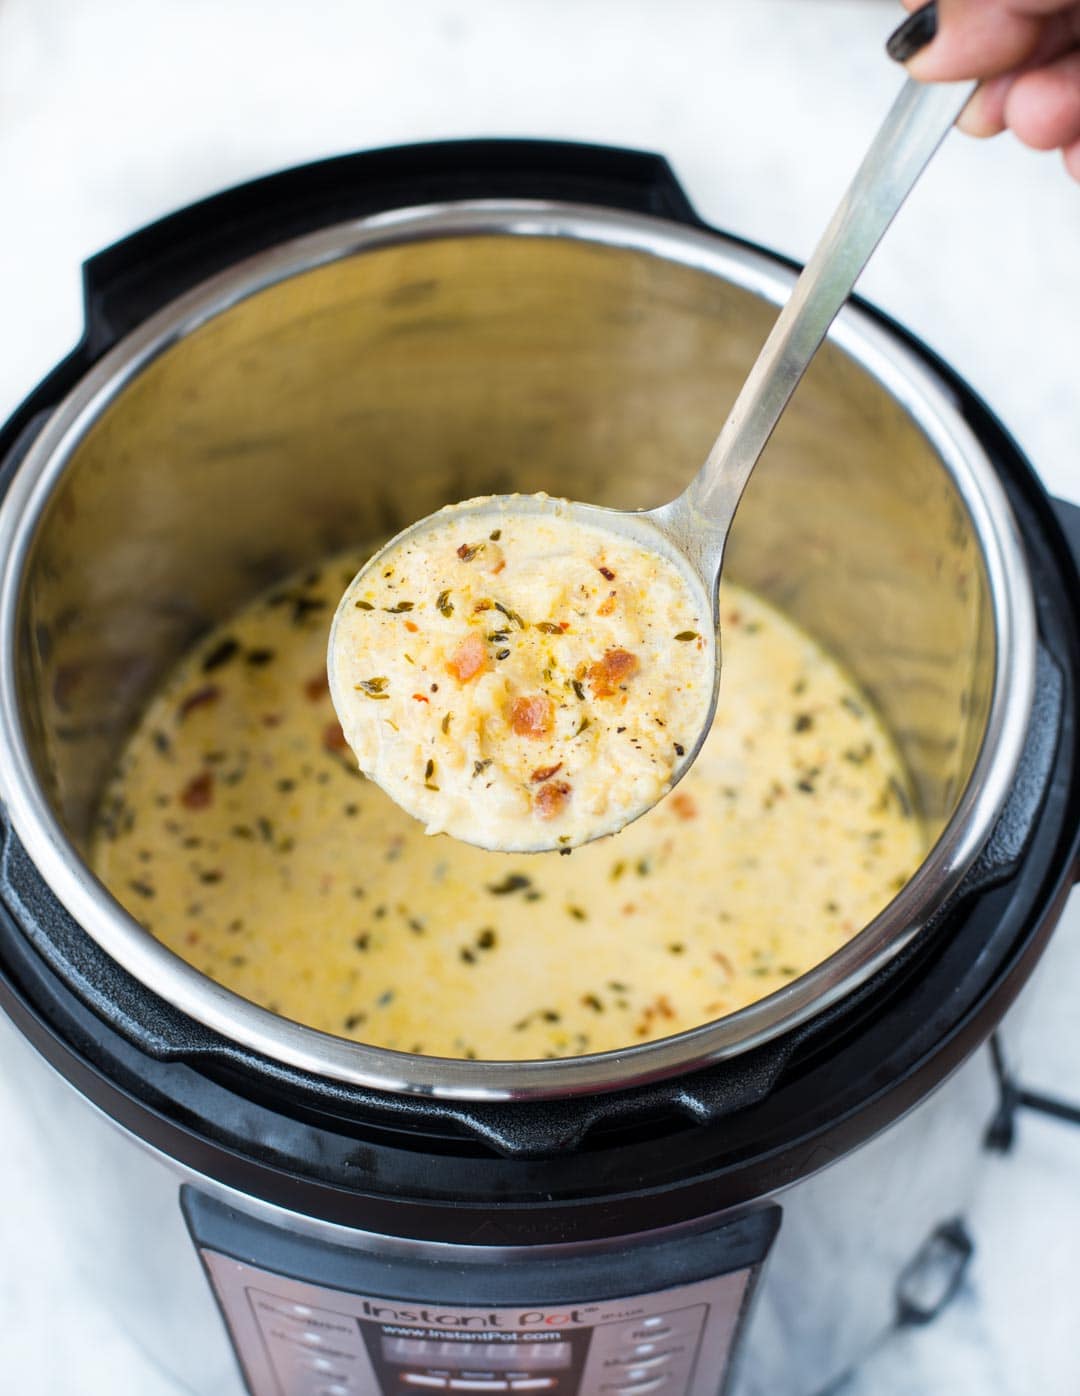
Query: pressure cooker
[319, 357]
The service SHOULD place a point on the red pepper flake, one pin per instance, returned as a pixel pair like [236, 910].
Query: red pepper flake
[532, 715]
[606, 606]
[201, 698]
[469, 659]
[606, 572]
[496, 570]
[550, 800]
[199, 791]
[421, 698]
[333, 738]
[316, 687]
[545, 772]
[685, 806]
[411, 625]
[608, 673]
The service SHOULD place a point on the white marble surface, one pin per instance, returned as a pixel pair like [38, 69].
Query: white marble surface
[116, 111]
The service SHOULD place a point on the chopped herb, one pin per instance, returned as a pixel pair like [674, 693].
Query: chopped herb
[676, 948]
[469, 956]
[373, 687]
[592, 1001]
[502, 654]
[803, 722]
[445, 724]
[688, 635]
[429, 770]
[806, 785]
[487, 939]
[512, 882]
[354, 1020]
[397, 610]
[495, 534]
[363, 605]
[549, 627]
[498, 636]
[143, 888]
[577, 913]
[511, 615]
[258, 658]
[444, 604]
[220, 654]
[468, 551]
[680, 750]
[578, 688]
[479, 767]
[582, 726]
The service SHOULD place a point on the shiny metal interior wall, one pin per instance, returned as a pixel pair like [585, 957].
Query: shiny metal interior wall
[341, 402]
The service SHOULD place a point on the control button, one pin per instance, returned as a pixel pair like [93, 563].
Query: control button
[659, 1359]
[654, 1321]
[532, 1384]
[468, 1384]
[651, 1329]
[640, 1387]
[418, 1379]
[334, 1390]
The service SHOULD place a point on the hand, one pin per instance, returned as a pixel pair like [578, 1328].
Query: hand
[1027, 52]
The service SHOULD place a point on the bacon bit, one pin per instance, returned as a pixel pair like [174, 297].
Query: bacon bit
[545, 772]
[411, 625]
[271, 719]
[606, 607]
[532, 716]
[608, 673]
[550, 800]
[421, 698]
[685, 806]
[468, 660]
[199, 791]
[606, 572]
[201, 698]
[564, 625]
[317, 686]
[333, 738]
[724, 963]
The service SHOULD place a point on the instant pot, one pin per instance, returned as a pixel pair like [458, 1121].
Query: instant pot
[319, 357]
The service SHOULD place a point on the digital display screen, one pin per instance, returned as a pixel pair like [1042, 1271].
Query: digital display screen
[495, 1357]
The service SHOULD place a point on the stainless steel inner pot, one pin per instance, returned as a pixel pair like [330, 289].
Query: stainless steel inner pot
[343, 384]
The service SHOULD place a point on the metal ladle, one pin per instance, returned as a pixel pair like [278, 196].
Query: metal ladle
[693, 528]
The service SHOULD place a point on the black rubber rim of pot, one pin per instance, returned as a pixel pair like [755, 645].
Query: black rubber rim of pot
[544, 1171]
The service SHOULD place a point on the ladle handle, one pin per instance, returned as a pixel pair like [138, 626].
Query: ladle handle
[917, 123]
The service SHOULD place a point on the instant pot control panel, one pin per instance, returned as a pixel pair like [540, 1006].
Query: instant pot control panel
[307, 1319]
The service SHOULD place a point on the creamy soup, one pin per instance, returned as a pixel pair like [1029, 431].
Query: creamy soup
[522, 681]
[240, 832]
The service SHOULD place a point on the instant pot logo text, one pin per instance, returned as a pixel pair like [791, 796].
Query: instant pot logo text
[484, 1323]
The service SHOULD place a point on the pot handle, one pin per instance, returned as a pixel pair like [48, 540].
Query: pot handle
[128, 281]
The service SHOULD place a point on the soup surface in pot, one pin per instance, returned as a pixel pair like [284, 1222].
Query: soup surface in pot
[239, 831]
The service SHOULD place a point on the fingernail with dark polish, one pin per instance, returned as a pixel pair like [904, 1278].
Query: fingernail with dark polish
[914, 34]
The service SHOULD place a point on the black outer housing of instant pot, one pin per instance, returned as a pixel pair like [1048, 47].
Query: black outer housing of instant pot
[590, 1166]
